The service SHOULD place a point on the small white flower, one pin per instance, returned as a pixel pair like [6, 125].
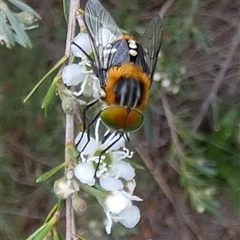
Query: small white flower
[200, 209]
[210, 191]
[82, 40]
[73, 74]
[88, 150]
[118, 208]
[157, 76]
[175, 89]
[166, 83]
[85, 173]
[116, 202]
[183, 70]
[89, 82]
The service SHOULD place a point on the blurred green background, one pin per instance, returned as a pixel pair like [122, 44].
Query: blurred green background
[189, 143]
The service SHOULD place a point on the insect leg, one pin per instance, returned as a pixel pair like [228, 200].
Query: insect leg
[85, 126]
[87, 129]
[106, 149]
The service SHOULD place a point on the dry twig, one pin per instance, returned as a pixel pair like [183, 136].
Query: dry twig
[69, 137]
[217, 82]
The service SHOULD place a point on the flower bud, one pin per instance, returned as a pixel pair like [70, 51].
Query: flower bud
[69, 105]
[63, 188]
[79, 205]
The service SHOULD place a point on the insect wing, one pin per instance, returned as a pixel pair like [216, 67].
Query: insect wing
[151, 42]
[102, 30]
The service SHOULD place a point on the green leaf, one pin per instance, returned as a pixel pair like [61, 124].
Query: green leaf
[229, 120]
[98, 194]
[42, 232]
[235, 197]
[134, 164]
[47, 100]
[55, 67]
[80, 237]
[188, 178]
[19, 33]
[25, 43]
[56, 208]
[202, 39]
[6, 32]
[231, 173]
[56, 234]
[50, 173]
[73, 152]
[24, 7]
[66, 9]
[206, 170]
[199, 199]
[202, 166]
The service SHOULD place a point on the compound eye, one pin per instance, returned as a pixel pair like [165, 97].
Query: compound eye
[121, 118]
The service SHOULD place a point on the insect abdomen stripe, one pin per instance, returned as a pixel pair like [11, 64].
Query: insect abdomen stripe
[128, 92]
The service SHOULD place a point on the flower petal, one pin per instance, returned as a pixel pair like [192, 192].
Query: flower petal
[116, 202]
[130, 186]
[91, 146]
[73, 74]
[123, 170]
[82, 40]
[109, 222]
[129, 217]
[113, 137]
[110, 183]
[85, 173]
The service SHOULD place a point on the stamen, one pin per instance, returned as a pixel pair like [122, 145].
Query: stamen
[97, 129]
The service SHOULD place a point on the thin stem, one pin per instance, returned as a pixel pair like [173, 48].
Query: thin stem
[74, 5]
[69, 136]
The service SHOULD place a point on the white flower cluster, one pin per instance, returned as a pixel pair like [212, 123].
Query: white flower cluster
[80, 73]
[166, 83]
[113, 173]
